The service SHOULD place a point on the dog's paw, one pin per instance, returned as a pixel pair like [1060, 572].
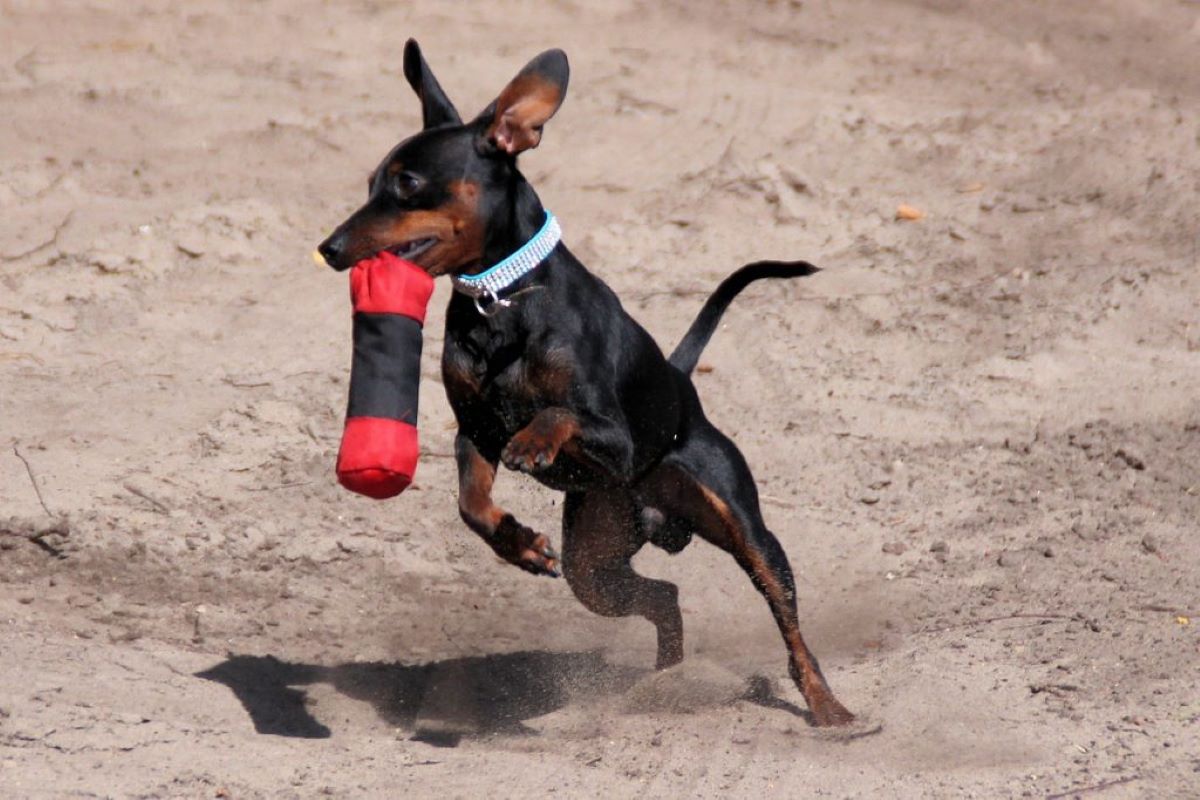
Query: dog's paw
[529, 452]
[826, 711]
[524, 547]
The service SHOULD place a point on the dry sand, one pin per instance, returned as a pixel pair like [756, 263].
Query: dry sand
[976, 433]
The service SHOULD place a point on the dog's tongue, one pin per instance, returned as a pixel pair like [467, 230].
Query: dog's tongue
[379, 448]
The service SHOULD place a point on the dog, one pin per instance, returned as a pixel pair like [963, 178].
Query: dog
[548, 375]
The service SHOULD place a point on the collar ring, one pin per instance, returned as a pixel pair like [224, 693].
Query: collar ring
[488, 303]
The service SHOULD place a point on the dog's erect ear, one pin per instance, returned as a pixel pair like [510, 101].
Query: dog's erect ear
[436, 108]
[529, 100]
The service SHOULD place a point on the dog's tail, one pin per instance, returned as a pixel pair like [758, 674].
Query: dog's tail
[687, 353]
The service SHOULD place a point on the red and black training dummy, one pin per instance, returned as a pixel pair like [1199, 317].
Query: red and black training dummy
[379, 448]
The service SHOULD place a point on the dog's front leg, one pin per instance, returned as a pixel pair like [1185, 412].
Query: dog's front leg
[588, 438]
[511, 540]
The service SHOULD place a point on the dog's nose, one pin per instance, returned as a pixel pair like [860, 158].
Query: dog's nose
[331, 250]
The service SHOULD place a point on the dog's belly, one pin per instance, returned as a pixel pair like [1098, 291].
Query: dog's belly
[571, 474]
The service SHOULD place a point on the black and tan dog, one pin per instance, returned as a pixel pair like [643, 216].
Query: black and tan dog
[549, 375]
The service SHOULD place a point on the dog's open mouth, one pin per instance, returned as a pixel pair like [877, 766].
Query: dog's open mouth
[412, 248]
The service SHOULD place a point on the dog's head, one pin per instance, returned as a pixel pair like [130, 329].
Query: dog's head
[431, 199]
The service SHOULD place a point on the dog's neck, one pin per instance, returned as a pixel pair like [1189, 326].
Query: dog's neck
[518, 247]
[515, 222]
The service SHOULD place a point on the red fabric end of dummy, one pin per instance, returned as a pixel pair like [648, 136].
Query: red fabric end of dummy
[378, 456]
[387, 284]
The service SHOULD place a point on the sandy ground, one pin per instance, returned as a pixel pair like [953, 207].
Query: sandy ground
[977, 433]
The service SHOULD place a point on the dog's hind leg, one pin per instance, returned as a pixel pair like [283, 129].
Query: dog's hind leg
[708, 483]
[600, 535]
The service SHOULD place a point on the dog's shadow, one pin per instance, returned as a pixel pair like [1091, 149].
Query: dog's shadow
[442, 701]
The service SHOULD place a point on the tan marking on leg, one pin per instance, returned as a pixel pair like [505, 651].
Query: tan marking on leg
[825, 707]
[475, 495]
[510, 540]
[762, 570]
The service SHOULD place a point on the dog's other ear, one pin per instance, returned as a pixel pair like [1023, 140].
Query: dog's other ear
[528, 101]
[436, 108]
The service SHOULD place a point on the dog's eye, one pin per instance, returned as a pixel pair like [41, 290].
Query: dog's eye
[408, 184]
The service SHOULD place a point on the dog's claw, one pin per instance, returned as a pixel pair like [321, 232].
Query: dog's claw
[546, 562]
[539, 564]
[547, 567]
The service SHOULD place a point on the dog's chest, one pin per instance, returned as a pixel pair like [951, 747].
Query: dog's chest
[511, 398]
[510, 382]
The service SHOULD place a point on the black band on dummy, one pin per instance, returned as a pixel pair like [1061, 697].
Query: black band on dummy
[386, 372]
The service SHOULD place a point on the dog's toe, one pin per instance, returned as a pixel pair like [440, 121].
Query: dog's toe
[517, 458]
